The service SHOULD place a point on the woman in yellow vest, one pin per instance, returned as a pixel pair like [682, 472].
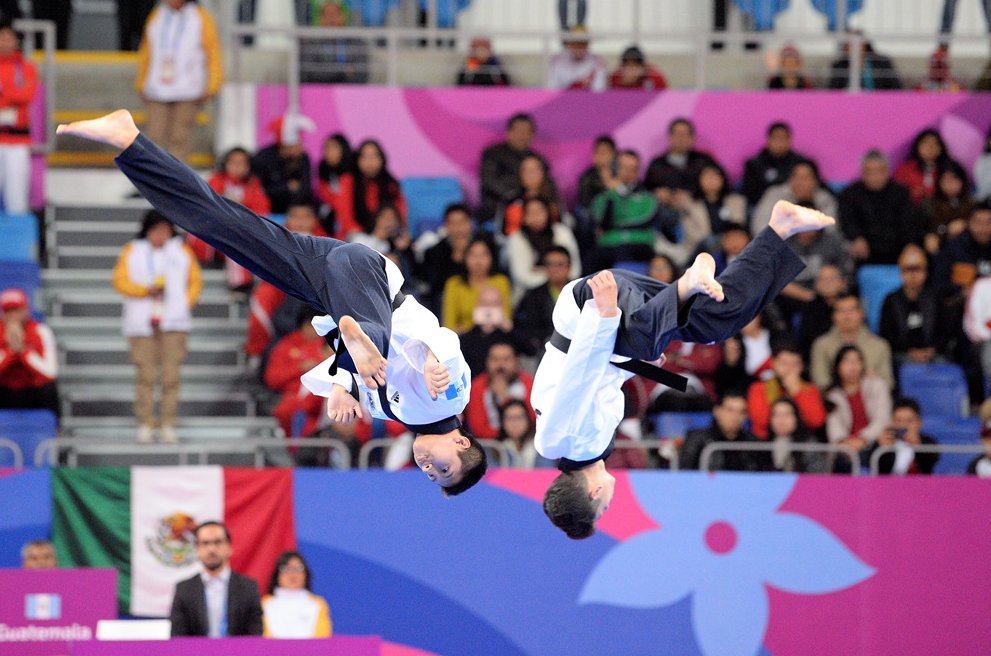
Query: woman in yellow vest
[290, 609]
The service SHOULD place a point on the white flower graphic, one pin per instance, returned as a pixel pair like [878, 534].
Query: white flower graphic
[722, 541]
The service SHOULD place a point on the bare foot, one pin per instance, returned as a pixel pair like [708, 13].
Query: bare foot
[367, 359]
[789, 219]
[115, 129]
[700, 278]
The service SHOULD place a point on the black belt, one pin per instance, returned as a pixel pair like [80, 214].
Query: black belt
[638, 367]
[332, 338]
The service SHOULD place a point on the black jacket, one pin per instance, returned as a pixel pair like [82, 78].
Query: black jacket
[275, 174]
[895, 321]
[244, 608]
[661, 173]
[500, 177]
[883, 75]
[924, 462]
[884, 218]
[533, 319]
[697, 440]
[764, 170]
[961, 250]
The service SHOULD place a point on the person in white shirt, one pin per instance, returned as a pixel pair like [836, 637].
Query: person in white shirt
[575, 67]
[612, 316]
[290, 609]
[399, 359]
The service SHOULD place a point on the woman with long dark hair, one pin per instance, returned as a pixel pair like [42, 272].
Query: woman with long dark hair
[947, 210]
[290, 609]
[526, 247]
[714, 204]
[534, 182]
[335, 162]
[861, 402]
[920, 170]
[785, 427]
[365, 189]
[461, 292]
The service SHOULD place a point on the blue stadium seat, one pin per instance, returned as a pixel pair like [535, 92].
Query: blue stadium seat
[373, 12]
[762, 12]
[966, 430]
[633, 267]
[940, 389]
[25, 275]
[426, 200]
[447, 10]
[876, 281]
[828, 7]
[677, 424]
[27, 428]
[20, 238]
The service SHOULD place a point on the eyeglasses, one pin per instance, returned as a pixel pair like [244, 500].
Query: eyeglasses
[211, 543]
[295, 569]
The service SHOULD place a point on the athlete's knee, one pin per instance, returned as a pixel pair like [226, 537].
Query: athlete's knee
[355, 256]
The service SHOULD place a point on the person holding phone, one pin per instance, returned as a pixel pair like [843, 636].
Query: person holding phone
[905, 433]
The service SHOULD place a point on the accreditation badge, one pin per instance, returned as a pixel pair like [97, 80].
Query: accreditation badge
[168, 70]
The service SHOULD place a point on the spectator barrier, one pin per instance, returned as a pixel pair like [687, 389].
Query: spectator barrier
[769, 446]
[972, 449]
[28, 429]
[16, 456]
[496, 447]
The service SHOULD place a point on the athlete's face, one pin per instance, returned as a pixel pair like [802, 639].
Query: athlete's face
[439, 456]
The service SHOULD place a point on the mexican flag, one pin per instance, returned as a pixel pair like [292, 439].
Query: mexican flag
[141, 520]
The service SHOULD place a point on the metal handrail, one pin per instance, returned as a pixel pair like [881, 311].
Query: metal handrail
[364, 455]
[875, 462]
[29, 28]
[813, 447]
[15, 450]
[658, 444]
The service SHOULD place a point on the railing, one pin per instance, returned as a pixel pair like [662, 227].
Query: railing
[875, 461]
[30, 29]
[494, 446]
[15, 451]
[710, 449]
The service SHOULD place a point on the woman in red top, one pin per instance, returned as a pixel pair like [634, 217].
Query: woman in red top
[861, 402]
[920, 171]
[336, 161]
[366, 189]
[534, 182]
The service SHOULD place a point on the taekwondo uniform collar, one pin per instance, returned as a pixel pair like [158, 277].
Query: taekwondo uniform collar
[566, 465]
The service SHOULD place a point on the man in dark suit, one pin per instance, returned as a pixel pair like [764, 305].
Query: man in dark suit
[533, 316]
[217, 602]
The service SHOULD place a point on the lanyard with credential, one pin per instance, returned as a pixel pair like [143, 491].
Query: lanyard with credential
[176, 35]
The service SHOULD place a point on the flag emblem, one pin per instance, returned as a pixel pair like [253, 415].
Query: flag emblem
[174, 542]
[42, 606]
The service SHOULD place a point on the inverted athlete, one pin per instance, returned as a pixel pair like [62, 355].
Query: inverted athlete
[408, 368]
[605, 320]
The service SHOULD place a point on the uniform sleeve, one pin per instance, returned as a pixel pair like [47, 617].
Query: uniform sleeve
[122, 281]
[319, 381]
[575, 397]
[446, 347]
[195, 285]
[211, 48]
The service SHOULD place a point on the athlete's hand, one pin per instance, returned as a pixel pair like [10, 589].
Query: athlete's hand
[436, 376]
[342, 408]
[605, 293]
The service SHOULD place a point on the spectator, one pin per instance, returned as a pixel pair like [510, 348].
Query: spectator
[160, 281]
[461, 291]
[179, 68]
[233, 180]
[290, 609]
[747, 357]
[785, 428]
[968, 257]
[516, 427]
[982, 170]
[335, 162]
[273, 314]
[446, 258]
[786, 383]
[728, 422]
[635, 73]
[940, 78]
[482, 68]
[387, 236]
[876, 214]
[772, 165]
[601, 175]
[825, 247]
[571, 13]
[534, 313]
[977, 322]
[28, 356]
[492, 325]
[297, 411]
[791, 74]
[284, 167]
[911, 317]
[981, 465]
[663, 268]
[904, 434]
[849, 330]
[534, 182]
[698, 362]
[38, 554]
[131, 18]
[18, 85]
[947, 210]
[816, 317]
[876, 71]
[500, 168]
[338, 60]
[366, 189]
[677, 168]
[920, 170]
[217, 602]
[526, 247]
[502, 380]
[575, 67]
[861, 402]
[732, 240]
[804, 187]
[713, 205]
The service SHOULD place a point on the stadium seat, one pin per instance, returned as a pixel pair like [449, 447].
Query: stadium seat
[966, 430]
[676, 424]
[27, 276]
[20, 238]
[426, 200]
[633, 267]
[940, 389]
[876, 281]
[28, 429]
[373, 12]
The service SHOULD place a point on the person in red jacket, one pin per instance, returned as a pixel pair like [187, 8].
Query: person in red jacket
[235, 181]
[502, 381]
[365, 190]
[28, 356]
[786, 383]
[298, 411]
[18, 85]
[635, 73]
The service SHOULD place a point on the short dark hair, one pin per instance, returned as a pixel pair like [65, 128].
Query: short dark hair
[681, 120]
[456, 207]
[151, 219]
[518, 117]
[281, 562]
[907, 402]
[212, 522]
[556, 250]
[778, 125]
[605, 140]
[784, 344]
[474, 463]
[305, 204]
[568, 506]
[847, 295]
[629, 152]
[734, 393]
[983, 206]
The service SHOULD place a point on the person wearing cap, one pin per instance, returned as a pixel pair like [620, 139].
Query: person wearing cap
[28, 356]
[179, 68]
[635, 73]
[575, 67]
[912, 315]
[18, 85]
[284, 166]
[390, 351]
[790, 71]
[482, 68]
